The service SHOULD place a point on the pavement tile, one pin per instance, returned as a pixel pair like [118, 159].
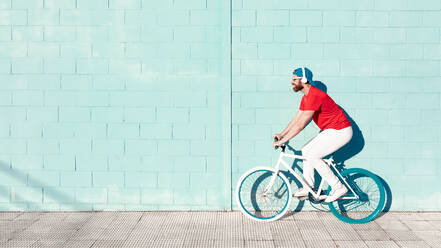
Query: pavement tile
[433, 243]
[335, 223]
[199, 243]
[367, 226]
[326, 216]
[289, 216]
[12, 228]
[306, 215]
[115, 234]
[41, 227]
[230, 228]
[278, 225]
[315, 235]
[19, 243]
[29, 216]
[429, 236]
[128, 217]
[139, 243]
[88, 234]
[344, 234]
[320, 243]
[145, 235]
[419, 225]
[261, 243]
[256, 231]
[402, 235]
[350, 244]
[66, 226]
[48, 243]
[289, 243]
[50, 236]
[311, 225]
[5, 235]
[435, 223]
[108, 244]
[285, 231]
[83, 216]
[8, 215]
[229, 243]
[204, 234]
[393, 225]
[388, 216]
[167, 243]
[54, 216]
[378, 235]
[407, 215]
[381, 244]
[430, 215]
[412, 244]
[78, 243]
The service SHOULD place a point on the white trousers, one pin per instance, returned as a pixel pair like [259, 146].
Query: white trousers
[325, 143]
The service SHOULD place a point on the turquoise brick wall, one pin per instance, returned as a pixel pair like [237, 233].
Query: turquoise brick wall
[115, 105]
[161, 105]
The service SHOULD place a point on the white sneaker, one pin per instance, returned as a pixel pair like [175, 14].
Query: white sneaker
[336, 193]
[302, 192]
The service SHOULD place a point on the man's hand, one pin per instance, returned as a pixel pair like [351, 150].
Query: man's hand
[278, 136]
[277, 143]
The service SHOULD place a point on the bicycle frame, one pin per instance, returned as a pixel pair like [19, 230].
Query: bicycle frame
[316, 195]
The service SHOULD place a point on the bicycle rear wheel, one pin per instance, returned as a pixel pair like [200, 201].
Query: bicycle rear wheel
[371, 197]
[257, 204]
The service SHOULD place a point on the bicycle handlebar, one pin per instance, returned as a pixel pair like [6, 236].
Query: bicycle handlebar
[277, 147]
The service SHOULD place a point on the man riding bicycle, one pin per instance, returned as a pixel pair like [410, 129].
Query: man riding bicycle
[336, 131]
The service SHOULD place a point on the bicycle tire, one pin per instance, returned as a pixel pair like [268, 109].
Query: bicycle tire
[257, 206]
[371, 202]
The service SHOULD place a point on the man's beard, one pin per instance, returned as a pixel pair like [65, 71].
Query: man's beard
[297, 88]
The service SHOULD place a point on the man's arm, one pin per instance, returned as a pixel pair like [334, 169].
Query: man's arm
[300, 120]
[290, 124]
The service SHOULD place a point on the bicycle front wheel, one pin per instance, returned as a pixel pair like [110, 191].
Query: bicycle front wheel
[369, 203]
[258, 203]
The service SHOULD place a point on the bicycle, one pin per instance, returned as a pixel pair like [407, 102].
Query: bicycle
[265, 194]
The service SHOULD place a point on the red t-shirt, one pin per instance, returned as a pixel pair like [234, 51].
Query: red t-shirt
[327, 115]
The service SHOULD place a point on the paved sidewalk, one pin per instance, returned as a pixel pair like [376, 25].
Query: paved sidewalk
[214, 229]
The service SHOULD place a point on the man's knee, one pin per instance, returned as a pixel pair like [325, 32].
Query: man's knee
[309, 155]
[306, 152]
[313, 161]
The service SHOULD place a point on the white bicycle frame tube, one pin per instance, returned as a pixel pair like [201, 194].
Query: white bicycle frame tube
[317, 194]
